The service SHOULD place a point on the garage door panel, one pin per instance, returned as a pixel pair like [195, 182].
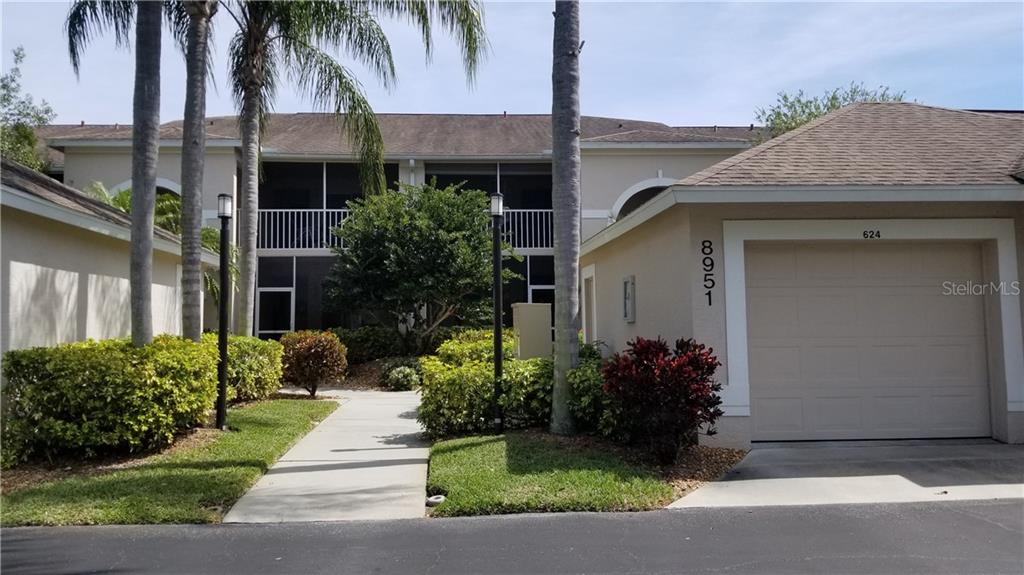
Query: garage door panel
[836, 365]
[864, 346]
[836, 414]
[776, 417]
[772, 314]
[778, 364]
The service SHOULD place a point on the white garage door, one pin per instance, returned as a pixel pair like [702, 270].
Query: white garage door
[857, 341]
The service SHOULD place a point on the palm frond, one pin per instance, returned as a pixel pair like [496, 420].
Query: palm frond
[464, 19]
[88, 18]
[176, 15]
[341, 26]
[331, 87]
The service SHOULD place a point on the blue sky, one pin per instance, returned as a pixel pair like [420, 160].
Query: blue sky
[678, 63]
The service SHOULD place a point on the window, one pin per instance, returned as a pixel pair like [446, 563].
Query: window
[629, 299]
[291, 185]
[483, 177]
[343, 183]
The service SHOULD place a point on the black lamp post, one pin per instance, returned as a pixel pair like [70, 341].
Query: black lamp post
[225, 209]
[497, 212]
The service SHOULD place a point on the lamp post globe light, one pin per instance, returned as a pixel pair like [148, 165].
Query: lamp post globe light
[225, 210]
[497, 212]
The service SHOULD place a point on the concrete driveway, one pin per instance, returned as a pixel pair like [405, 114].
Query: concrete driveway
[820, 473]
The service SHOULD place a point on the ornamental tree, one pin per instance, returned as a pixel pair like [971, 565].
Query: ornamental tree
[414, 259]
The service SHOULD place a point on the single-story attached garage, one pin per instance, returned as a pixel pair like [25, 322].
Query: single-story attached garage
[858, 277]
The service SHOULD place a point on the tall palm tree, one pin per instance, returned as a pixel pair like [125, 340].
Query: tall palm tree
[84, 19]
[565, 170]
[297, 38]
[193, 159]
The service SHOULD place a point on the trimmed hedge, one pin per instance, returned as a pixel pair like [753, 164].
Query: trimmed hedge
[312, 359]
[475, 345]
[104, 396]
[254, 366]
[457, 386]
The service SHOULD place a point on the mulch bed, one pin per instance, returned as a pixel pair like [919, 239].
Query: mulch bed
[363, 376]
[700, 464]
[696, 466]
[30, 474]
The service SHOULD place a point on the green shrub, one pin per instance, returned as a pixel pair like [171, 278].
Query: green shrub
[591, 406]
[403, 381]
[526, 392]
[402, 378]
[475, 345]
[456, 399]
[313, 358]
[254, 366]
[370, 342]
[104, 396]
[457, 395]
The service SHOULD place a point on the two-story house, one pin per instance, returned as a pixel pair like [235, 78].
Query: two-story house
[309, 175]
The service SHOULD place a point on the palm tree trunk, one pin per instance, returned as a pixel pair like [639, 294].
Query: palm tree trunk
[248, 214]
[145, 149]
[193, 157]
[565, 201]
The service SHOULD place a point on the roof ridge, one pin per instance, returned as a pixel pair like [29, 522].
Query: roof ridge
[727, 163]
[947, 109]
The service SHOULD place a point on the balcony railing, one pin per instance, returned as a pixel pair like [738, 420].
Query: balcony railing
[528, 229]
[311, 229]
[298, 229]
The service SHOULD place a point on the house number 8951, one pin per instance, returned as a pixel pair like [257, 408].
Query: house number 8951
[707, 262]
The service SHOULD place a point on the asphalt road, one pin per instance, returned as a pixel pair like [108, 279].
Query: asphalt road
[928, 538]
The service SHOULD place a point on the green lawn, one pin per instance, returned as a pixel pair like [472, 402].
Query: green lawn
[530, 472]
[189, 486]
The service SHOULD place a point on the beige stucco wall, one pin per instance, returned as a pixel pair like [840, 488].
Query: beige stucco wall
[59, 283]
[666, 250]
[113, 168]
[657, 256]
[607, 174]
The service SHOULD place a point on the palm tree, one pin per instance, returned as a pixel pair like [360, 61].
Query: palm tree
[85, 18]
[565, 159]
[296, 38]
[193, 159]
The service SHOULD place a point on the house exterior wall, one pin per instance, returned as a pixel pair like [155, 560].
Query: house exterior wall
[61, 283]
[113, 167]
[607, 174]
[670, 244]
[658, 258]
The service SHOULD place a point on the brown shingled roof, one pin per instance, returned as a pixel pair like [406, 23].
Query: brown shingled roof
[29, 181]
[424, 135]
[677, 136]
[882, 144]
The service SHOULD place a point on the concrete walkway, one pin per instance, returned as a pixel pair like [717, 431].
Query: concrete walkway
[367, 460]
[823, 473]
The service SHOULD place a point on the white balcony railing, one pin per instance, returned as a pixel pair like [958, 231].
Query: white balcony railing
[528, 229]
[298, 229]
[311, 229]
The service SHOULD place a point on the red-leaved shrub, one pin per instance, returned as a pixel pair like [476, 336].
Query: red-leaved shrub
[665, 395]
[313, 358]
